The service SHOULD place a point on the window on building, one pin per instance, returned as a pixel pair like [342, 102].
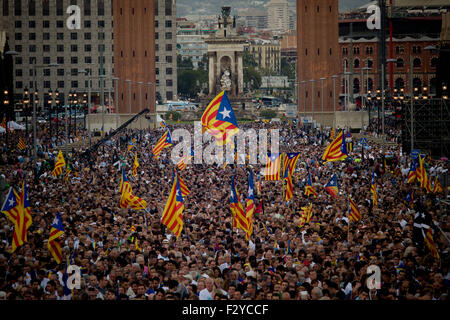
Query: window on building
[59, 7]
[5, 8]
[60, 36]
[60, 48]
[169, 71]
[156, 23]
[101, 7]
[31, 24]
[45, 60]
[60, 24]
[73, 36]
[169, 83]
[87, 7]
[169, 95]
[169, 59]
[46, 24]
[17, 7]
[157, 58]
[87, 36]
[101, 36]
[45, 7]
[60, 84]
[87, 48]
[46, 36]
[74, 83]
[168, 23]
[399, 83]
[101, 23]
[47, 84]
[87, 23]
[18, 60]
[168, 47]
[18, 48]
[19, 84]
[417, 63]
[18, 24]
[73, 48]
[156, 47]
[168, 35]
[18, 36]
[46, 48]
[74, 72]
[60, 60]
[355, 50]
[60, 72]
[156, 36]
[32, 36]
[73, 60]
[356, 63]
[101, 48]
[434, 62]
[400, 63]
[87, 60]
[19, 72]
[46, 72]
[168, 7]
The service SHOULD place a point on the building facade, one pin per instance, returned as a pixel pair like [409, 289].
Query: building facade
[254, 18]
[39, 31]
[278, 15]
[191, 41]
[134, 55]
[166, 50]
[318, 53]
[267, 54]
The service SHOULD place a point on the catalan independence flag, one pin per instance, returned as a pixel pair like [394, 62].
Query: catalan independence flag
[172, 216]
[219, 120]
[184, 189]
[250, 209]
[54, 244]
[59, 165]
[21, 144]
[68, 171]
[272, 170]
[437, 186]
[429, 241]
[332, 133]
[309, 188]
[134, 202]
[412, 175]
[164, 142]
[336, 150]
[124, 188]
[135, 165]
[353, 211]
[289, 194]
[289, 163]
[305, 216]
[239, 217]
[373, 189]
[332, 186]
[182, 164]
[422, 176]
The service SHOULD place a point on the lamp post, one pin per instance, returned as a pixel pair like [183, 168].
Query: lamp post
[129, 95]
[304, 98]
[334, 77]
[6, 101]
[347, 89]
[116, 107]
[26, 102]
[321, 95]
[88, 72]
[140, 83]
[312, 99]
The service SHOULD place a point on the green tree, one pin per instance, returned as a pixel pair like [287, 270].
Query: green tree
[184, 64]
[252, 78]
[287, 69]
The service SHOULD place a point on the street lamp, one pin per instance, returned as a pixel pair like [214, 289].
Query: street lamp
[26, 101]
[304, 97]
[347, 89]
[334, 77]
[322, 94]
[129, 95]
[312, 99]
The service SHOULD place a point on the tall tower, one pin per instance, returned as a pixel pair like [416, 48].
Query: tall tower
[134, 54]
[317, 53]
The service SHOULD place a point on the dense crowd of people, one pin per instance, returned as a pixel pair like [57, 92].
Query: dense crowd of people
[129, 255]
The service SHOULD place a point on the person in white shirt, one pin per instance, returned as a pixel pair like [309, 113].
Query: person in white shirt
[207, 293]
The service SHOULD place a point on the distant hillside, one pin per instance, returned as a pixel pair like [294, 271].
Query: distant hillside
[212, 7]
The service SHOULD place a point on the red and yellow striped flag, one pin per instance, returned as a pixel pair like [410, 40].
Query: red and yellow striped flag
[353, 211]
[239, 216]
[21, 144]
[309, 188]
[250, 209]
[431, 244]
[54, 244]
[135, 165]
[164, 142]
[272, 171]
[59, 165]
[172, 216]
[437, 186]
[422, 176]
[336, 150]
[219, 120]
[184, 189]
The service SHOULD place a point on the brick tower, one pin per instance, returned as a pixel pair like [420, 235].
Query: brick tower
[134, 54]
[317, 54]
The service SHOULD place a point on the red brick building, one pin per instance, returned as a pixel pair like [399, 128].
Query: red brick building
[318, 52]
[134, 53]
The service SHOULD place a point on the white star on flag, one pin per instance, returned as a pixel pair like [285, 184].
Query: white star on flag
[178, 193]
[11, 202]
[250, 192]
[225, 113]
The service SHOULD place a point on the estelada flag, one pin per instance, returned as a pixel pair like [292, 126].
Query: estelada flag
[219, 120]
[332, 186]
[54, 244]
[59, 165]
[336, 150]
[172, 216]
[164, 142]
[239, 217]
